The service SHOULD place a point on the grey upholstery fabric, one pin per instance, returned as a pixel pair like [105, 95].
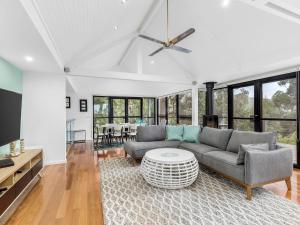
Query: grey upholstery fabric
[249, 137]
[251, 147]
[138, 149]
[224, 162]
[265, 166]
[198, 149]
[215, 137]
[151, 133]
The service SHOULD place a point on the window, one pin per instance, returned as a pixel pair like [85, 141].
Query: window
[149, 110]
[172, 110]
[185, 108]
[118, 109]
[162, 111]
[279, 109]
[243, 108]
[123, 110]
[268, 104]
[134, 110]
[101, 111]
[221, 106]
[201, 105]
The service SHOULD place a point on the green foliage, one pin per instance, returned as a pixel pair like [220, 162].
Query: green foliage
[281, 105]
[201, 105]
[288, 139]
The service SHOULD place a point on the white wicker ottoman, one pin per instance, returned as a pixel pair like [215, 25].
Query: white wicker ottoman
[169, 168]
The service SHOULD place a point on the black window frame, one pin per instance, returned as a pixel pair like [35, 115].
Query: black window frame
[111, 117]
[258, 107]
[177, 114]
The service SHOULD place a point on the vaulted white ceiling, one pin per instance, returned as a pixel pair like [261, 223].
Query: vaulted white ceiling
[239, 40]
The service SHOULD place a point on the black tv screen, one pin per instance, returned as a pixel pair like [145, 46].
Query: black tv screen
[10, 116]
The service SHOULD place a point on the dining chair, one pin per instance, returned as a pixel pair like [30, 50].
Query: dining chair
[133, 132]
[126, 131]
[109, 134]
[118, 133]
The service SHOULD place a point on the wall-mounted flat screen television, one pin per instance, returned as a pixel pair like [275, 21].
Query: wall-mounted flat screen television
[10, 116]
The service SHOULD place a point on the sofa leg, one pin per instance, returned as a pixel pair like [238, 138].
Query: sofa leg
[249, 192]
[288, 183]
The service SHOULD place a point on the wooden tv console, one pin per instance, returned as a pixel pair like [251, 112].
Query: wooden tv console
[19, 180]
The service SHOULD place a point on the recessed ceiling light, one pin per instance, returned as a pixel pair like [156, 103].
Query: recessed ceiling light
[225, 3]
[123, 1]
[28, 58]
[152, 62]
[115, 27]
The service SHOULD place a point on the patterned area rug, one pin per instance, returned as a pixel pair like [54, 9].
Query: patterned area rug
[212, 200]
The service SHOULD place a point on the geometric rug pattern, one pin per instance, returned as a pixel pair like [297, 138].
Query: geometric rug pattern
[128, 199]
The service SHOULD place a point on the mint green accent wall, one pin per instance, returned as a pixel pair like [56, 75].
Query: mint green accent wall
[11, 79]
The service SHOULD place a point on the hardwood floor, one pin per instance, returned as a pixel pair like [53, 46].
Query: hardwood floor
[70, 195]
[66, 194]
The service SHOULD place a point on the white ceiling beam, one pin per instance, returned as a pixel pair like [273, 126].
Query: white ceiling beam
[157, 4]
[131, 76]
[278, 8]
[34, 13]
[93, 51]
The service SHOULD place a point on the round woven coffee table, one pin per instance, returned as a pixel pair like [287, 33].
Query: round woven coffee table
[169, 168]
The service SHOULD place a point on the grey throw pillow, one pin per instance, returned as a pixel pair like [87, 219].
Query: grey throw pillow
[250, 147]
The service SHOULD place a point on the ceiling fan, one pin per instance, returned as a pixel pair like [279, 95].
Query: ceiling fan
[170, 44]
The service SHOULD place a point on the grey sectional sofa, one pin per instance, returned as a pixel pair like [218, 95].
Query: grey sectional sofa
[218, 150]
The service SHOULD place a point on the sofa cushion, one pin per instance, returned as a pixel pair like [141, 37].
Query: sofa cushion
[174, 133]
[197, 149]
[252, 147]
[215, 137]
[250, 137]
[138, 149]
[225, 163]
[151, 133]
[191, 134]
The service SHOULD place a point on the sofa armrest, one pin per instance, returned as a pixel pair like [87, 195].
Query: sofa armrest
[267, 166]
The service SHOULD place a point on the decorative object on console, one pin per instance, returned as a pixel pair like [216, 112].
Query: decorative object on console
[83, 105]
[68, 102]
[22, 146]
[12, 148]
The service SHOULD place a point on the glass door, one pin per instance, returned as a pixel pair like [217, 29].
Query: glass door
[279, 111]
[118, 110]
[134, 110]
[242, 117]
[268, 104]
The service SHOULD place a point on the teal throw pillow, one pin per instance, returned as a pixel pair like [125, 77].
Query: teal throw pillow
[191, 134]
[174, 133]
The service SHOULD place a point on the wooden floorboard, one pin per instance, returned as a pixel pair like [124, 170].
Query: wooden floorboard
[70, 193]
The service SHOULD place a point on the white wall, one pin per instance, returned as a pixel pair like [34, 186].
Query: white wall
[83, 120]
[44, 114]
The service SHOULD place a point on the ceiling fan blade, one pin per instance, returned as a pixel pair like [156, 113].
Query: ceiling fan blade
[157, 51]
[182, 36]
[151, 39]
[181, 49]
